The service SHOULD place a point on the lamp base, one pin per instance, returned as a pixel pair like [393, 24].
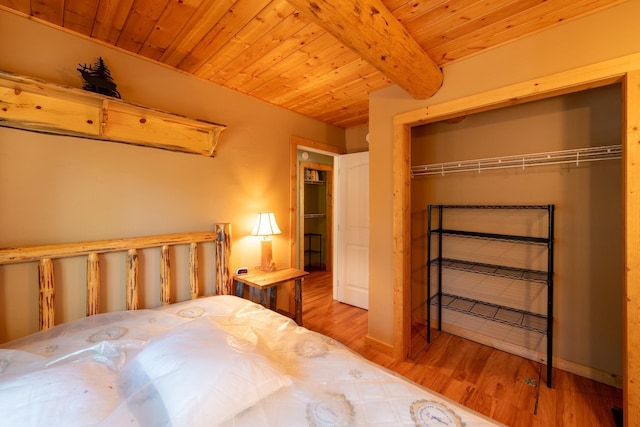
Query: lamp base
[266, 263]
[271, 267]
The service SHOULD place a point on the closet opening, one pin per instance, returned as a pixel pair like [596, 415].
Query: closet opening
[588, 236]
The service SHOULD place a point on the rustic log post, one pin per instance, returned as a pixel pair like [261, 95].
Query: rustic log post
[193, 270]
[93, 284]
[132, 279]
[223, 253]
[165, 279]
[47, 291]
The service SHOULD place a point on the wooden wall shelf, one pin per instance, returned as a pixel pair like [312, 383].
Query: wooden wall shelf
[38, 106]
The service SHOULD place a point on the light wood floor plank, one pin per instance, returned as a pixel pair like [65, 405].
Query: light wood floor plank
[484, 379]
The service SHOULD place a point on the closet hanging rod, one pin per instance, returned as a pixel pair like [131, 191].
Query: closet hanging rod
[577, 156]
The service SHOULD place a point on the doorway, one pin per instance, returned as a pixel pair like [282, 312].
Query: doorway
[313, 193]
[299, 145]
[316, 215]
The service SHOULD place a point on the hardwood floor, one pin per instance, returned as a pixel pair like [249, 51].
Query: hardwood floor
[492, 382]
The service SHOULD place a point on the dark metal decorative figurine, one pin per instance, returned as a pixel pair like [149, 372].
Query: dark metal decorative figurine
[97, 78]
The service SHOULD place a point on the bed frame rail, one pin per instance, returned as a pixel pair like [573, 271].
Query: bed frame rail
[46, 254]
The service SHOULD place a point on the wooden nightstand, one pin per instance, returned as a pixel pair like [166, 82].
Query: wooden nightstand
[266, 283]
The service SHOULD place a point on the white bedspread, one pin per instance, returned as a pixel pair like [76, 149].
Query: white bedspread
[213, 361]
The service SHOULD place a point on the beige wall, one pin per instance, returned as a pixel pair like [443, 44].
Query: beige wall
[356, 138]
[61, 189]
[597, 37]
[588, 208]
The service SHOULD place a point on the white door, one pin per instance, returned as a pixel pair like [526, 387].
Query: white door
[351, 265]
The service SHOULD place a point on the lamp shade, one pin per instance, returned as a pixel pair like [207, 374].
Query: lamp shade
[265, 225]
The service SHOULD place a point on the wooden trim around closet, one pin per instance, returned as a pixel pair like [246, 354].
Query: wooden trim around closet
[624, 69]
[631, 251]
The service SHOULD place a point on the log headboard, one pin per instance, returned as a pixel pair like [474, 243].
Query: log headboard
[45, 255]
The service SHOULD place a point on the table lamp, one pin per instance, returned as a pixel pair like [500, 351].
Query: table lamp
[266, 226]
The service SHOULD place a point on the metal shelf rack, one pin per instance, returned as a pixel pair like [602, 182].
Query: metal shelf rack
[497, 313]
[534, 322]
[312, 248]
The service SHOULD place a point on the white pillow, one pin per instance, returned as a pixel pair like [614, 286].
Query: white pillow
[68, 394]
[197, 375]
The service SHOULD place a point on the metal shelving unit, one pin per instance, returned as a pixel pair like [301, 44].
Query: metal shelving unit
[312, 248]
[534, 322]
[498, 313]
[495, 270]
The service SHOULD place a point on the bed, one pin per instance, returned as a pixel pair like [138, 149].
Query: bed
[214, 360]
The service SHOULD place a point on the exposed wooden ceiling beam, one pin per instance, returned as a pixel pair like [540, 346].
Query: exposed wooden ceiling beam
[367, 27]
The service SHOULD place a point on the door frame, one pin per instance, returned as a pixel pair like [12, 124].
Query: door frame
[625, 70]
[298, 143]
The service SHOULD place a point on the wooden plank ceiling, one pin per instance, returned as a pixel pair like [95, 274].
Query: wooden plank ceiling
[292, 56]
